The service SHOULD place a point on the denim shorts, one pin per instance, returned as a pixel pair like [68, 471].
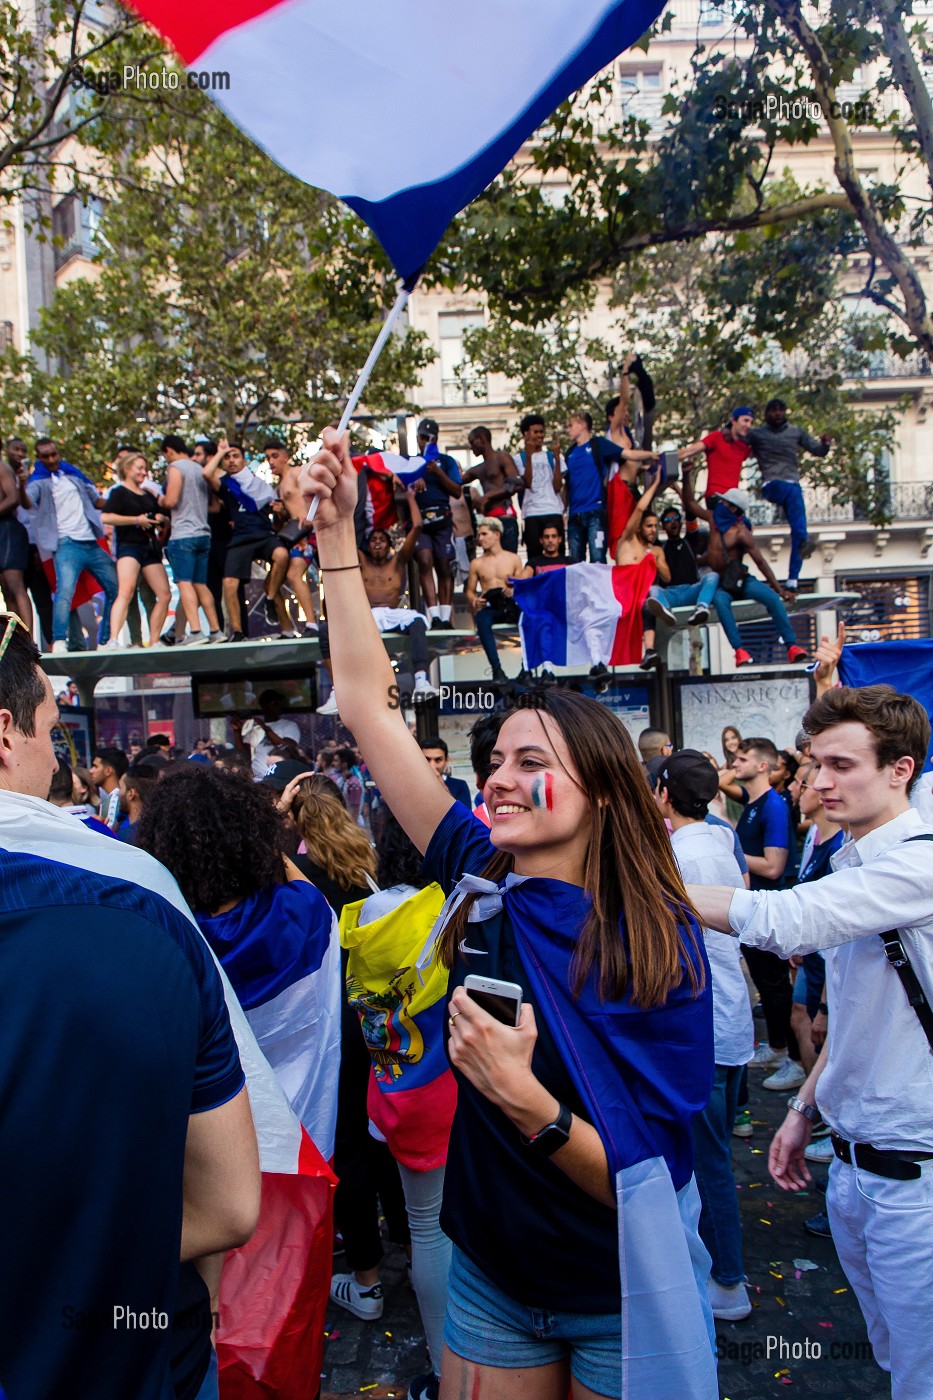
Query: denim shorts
[486, 1326]
[188, 558]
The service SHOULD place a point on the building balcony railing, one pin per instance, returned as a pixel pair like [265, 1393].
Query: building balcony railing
[908, 500]
[456, 392]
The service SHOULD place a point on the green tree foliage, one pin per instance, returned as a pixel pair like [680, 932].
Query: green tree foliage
[714, 171]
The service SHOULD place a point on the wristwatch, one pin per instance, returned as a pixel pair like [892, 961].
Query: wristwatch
[551, 1137]
[809, 1110]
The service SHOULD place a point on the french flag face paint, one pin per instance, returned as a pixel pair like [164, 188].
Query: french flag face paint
[542, 792]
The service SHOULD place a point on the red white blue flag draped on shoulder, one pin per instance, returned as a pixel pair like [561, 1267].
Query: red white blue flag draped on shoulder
[405, 110]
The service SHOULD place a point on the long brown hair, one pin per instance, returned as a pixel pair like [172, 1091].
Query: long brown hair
[333, 840]
[629, 870]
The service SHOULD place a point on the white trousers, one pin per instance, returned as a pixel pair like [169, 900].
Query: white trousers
[883, 1232]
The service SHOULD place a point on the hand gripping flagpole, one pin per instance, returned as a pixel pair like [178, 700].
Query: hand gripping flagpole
[379, 345]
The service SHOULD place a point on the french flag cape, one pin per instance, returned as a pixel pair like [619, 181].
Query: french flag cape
[412, 1093]
[281, 950]
[643, 1073]
[584, 614]
[377, 100]
[908, 666]
[273, 1292]
[407, 469]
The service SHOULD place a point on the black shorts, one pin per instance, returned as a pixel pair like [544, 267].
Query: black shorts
[14, 545]
[439, 542]
[144, 554]
[243, 553]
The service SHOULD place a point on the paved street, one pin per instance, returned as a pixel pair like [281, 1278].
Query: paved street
[801, 1307]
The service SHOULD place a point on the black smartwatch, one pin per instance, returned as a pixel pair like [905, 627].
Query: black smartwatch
[551, 1137]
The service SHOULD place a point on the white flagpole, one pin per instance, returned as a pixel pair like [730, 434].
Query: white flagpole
[378, 347]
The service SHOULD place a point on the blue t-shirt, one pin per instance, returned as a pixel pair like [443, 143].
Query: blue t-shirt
[113, 1031]
[434, 496]
[765, 822]
[250, 520]
[587, 471]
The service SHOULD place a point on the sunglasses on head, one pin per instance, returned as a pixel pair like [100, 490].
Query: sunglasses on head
[12, 620]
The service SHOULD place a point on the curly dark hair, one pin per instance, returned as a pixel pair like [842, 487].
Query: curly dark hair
[217, 831]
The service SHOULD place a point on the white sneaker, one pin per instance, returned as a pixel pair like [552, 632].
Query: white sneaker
[216, 637]
[424, 687]
[366, 1303]
[820, 1151]
[58, 648]
[194, 639]
[112, 645]
[766, 1058]
[728, 1304]
[330, 705]
[788, 1075]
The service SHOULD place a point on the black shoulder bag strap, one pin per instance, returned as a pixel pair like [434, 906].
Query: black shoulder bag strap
[896, 954]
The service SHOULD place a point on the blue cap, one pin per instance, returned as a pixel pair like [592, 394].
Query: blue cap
[739, 412]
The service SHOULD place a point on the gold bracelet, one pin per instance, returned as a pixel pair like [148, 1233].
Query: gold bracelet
[338, 568]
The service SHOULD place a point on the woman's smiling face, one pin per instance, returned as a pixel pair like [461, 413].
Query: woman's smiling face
[536, 807]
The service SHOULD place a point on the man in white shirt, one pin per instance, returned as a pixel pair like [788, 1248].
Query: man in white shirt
[686, 784]
[873, 1081]
[267, 732]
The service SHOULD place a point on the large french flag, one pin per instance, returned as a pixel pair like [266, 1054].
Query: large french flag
[273, 1293]
[403, 109]
[407, 469]
[585, 614]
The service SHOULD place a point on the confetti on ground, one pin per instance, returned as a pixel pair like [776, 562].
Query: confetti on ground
[779, 1374]
[763, 1221]
[774, 1274]
[797, 1273]
[787, 1381]
[758, 1152]
[389, 1335]
[753, 1184]
[806, 1264]
[780, 1300]
[840, 1290]
[826, 1324]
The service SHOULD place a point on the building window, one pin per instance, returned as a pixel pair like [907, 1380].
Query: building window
[75, 225]
[893, 608]
[459, 383]
[6, 336]
[642, 94]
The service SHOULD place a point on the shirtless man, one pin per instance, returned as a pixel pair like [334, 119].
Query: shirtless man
[293, 531]
[499, 478]
[489, 591]
[14, 544]
[385, 578]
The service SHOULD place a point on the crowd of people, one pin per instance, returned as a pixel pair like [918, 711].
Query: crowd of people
[625, 907]
[206, 512]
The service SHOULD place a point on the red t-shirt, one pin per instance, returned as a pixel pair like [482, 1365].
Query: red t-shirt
[724, 461]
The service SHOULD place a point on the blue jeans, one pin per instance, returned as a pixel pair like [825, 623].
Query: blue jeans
[720, 1226]
[587, 531]
[486, 619]
[755, 592]
[71, 558]
[681, 595]
[189, 558]
[788, 495]
[486, 1326]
